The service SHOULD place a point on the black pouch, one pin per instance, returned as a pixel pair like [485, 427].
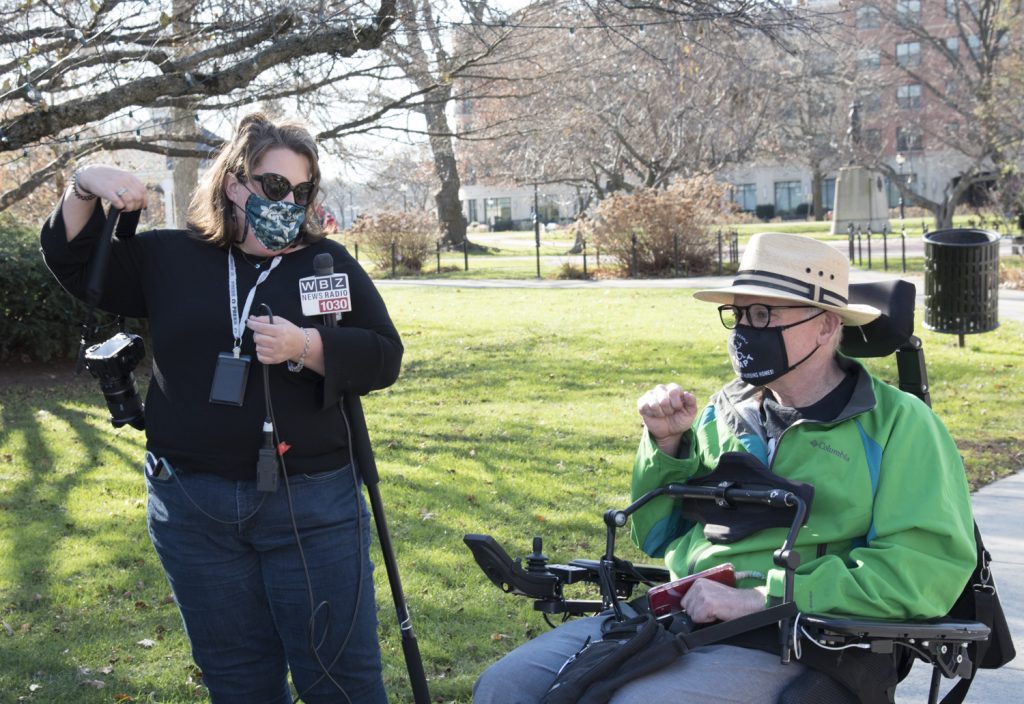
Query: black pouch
[627, 650]
[229, 377]
[980, 602]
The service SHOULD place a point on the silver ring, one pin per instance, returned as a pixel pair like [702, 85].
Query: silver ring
[121, 191]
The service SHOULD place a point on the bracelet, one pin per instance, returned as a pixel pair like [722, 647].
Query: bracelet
[297, 366]
[80, 193]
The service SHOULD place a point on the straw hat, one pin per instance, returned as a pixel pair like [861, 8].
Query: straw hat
[794, 268]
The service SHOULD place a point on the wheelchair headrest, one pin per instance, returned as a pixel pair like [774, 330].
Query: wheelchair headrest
[884, 335]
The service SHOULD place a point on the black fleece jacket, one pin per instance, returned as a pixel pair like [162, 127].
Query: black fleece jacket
[180, 283]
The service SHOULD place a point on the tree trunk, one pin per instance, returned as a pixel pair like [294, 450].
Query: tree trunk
[944, 214]
[449, 207]
[582, 202]
[183, 120]
[185, 170]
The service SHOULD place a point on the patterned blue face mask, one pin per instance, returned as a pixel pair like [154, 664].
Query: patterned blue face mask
[276, 223]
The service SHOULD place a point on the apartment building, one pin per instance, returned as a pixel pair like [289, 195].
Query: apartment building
[913, 67]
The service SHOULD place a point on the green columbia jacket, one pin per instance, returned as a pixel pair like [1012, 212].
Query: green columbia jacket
[891, 503]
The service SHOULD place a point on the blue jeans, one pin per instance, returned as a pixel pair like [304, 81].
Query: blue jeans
[237, 573]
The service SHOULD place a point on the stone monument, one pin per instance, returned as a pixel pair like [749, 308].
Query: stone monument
[861, 199]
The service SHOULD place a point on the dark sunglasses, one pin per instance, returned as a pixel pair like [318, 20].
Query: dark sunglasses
[276, 187]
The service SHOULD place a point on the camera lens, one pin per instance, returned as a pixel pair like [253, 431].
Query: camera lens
[112, 363]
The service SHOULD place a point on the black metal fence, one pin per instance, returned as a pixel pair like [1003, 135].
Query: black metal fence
[726, 243]
[860, 239]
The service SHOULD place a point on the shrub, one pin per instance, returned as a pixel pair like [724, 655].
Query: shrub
[656, 217]
[414, 235]
[40, 320]
[764, 212]
[570, 271]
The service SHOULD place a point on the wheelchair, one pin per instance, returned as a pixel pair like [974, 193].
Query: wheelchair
[954, 647]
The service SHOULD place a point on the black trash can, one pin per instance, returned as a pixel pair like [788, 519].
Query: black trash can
[961, 281]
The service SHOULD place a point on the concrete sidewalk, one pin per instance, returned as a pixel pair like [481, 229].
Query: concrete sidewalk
[997, 508]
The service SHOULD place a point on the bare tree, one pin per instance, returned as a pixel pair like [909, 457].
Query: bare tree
[434, 60]
[629, 105]
[955, 69]
[808, 86]
[71, 74]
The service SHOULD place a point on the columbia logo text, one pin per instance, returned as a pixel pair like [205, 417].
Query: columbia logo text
[818, 445]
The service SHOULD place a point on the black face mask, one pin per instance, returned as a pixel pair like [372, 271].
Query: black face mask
[759, 354]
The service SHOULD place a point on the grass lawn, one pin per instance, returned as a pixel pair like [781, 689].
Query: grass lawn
[514, 416]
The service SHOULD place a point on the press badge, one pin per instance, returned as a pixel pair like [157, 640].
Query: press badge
[229, 377]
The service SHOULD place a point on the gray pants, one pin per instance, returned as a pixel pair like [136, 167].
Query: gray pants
[714, 674]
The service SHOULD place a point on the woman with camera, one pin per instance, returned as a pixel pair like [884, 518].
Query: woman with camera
[261, 526]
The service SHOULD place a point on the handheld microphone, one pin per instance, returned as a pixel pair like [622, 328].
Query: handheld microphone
[325, 293]
[323, 265]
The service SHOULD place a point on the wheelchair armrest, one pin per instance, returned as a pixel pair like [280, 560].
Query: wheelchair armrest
[940, 642]
[850, 627]
[651, 573]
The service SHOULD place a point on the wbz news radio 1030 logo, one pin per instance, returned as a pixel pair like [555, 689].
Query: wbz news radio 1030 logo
[325, 294]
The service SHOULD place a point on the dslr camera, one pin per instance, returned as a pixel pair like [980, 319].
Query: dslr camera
[112, 362]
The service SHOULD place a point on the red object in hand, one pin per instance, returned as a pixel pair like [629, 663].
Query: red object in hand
[665, 598]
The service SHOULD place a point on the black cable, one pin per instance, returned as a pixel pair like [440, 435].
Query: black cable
[359, 582]
[315, 609]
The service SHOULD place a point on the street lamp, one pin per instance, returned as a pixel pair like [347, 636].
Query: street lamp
[900, 160]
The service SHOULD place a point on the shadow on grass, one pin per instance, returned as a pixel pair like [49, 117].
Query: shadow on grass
[80, 582]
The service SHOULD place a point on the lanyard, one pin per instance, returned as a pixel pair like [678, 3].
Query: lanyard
[238, 322]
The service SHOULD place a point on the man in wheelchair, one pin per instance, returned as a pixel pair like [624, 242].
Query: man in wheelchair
[890, 535]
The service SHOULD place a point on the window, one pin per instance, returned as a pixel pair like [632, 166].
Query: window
[953, 45]
[952, 87]
[909, 97]
[908, 11]
[828, 193]
[952, 11]
[497, 210]
[745, 196]
[872, 139]
[908, 139]
[548, 212]
[868, 17]
[868, 59]
[908, 54]
[822, 63]
[787, 196]
[870, 100]
[893, 190]
[974, 46]
[471, 214]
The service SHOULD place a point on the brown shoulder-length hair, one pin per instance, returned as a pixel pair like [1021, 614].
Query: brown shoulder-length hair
[211, 215]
